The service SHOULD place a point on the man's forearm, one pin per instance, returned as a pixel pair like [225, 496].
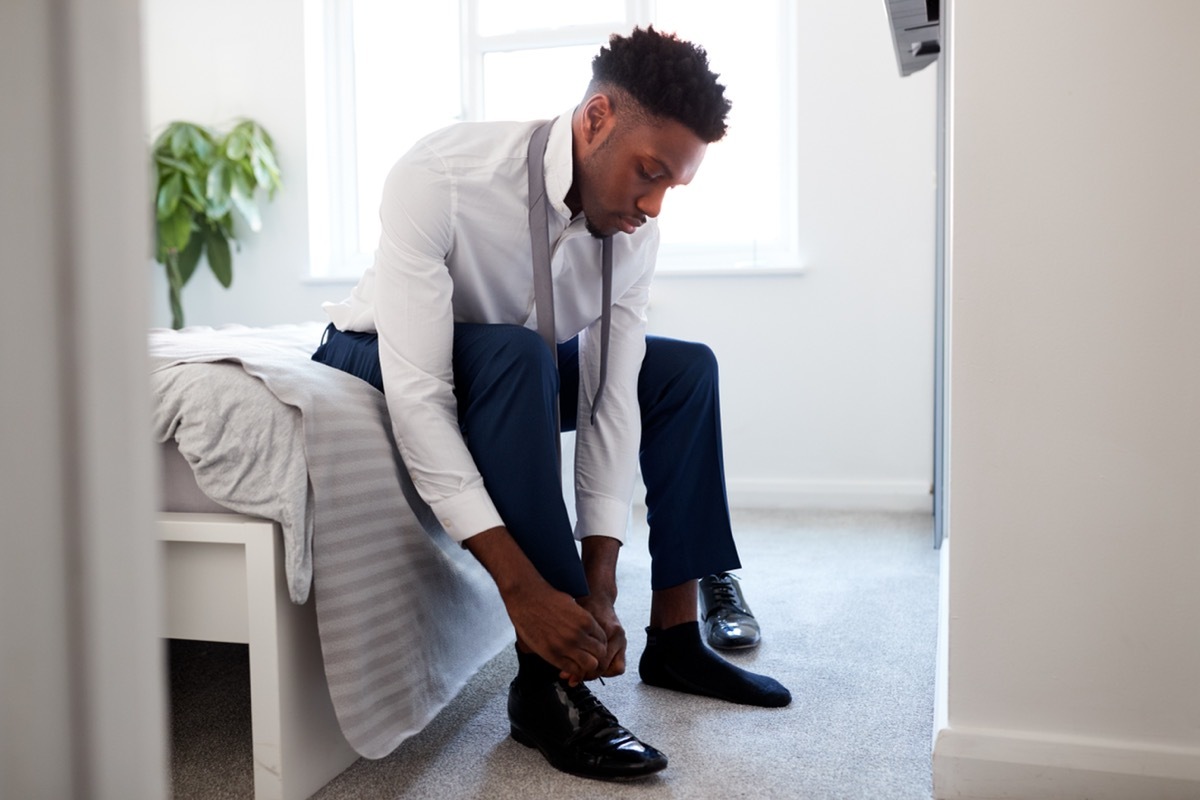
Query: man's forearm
[504, 560]
[547, 621]
[600, 565]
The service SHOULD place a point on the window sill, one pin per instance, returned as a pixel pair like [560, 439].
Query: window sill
[749, 271]
[330, 280]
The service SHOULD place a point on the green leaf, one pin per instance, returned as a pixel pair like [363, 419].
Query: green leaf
[242, 195]
[225, 224]
[179, 138]
[220, 183]
[175, 230]
[168, 196]
[266, 172]
[195, 205]
[175, 163]
[161, 141]
[201, 142]
[219, 259]
[195, 194]
[264, 150]
[189, 257]
[236, 146]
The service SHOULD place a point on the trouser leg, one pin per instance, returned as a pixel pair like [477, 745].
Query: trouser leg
[505, 383]
[682, 463]
[507, 389]
[506, 386]
[681, 458]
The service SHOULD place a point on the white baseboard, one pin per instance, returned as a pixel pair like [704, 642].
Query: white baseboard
[788, 493]
[991, 765]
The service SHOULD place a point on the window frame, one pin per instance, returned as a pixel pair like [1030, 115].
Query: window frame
[334, 214]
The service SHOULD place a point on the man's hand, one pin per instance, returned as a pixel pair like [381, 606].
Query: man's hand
[613, 662]
[600, 568]
[547, 621]
[553, 625]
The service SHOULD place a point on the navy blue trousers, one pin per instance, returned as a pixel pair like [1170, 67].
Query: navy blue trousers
[506, 385]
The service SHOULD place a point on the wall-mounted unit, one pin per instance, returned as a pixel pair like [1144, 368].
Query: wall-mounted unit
[916, 32]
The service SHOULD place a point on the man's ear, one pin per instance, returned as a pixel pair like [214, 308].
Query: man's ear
[597, 118]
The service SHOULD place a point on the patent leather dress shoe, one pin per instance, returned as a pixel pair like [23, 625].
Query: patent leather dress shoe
[726, 618]
[576, 733]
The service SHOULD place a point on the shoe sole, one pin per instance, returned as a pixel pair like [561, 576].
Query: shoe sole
[527, 740]
[727, 647]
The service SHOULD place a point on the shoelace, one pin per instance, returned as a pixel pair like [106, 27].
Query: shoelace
[723, 591]
[586, 702]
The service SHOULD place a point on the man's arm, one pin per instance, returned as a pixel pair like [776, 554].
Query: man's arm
[600, 567]
[414, 319]
[606, 452]
[547, 621]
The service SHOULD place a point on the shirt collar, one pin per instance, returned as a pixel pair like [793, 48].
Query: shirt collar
[559, 163]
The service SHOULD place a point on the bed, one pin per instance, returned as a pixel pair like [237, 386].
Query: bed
[289, 523]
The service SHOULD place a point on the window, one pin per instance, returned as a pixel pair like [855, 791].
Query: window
[381, 75]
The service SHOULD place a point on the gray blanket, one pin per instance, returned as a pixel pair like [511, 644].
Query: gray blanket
[405, 615]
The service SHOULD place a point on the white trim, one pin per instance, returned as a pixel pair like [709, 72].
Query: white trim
[735, 271]
[941, 680]
[986, 764]
[472, 60]
[332, 151]
[798, 493]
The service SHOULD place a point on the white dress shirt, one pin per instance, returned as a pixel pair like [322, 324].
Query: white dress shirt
[455, 248]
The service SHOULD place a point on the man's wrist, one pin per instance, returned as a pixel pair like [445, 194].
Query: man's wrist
[600, 565]
[504, 560]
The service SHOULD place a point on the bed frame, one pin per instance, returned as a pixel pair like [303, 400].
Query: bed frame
[224, 582]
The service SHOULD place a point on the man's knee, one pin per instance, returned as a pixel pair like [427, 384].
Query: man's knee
[692, 362]
[518, 354]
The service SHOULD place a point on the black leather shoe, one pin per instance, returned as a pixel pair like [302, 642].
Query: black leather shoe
[576, 733]
[728, 622]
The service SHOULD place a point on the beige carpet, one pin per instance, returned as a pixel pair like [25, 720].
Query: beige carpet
[848, 606]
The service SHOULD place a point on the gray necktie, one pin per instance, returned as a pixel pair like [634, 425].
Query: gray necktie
[543, 286]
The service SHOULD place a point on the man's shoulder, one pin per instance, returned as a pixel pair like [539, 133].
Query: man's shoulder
[464, 144]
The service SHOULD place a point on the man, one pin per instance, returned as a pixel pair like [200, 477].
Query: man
[451, 323]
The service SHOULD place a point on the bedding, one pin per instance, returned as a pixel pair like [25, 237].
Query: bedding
[405, 615]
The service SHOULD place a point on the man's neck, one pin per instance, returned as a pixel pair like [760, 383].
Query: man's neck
[572, 200]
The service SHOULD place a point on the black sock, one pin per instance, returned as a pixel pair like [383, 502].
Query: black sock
[676, 658]
[533, 669]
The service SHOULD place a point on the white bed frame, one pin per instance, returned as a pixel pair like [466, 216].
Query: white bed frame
[224, 582]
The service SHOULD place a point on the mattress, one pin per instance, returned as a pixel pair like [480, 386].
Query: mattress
[177, 486]
[268, 432]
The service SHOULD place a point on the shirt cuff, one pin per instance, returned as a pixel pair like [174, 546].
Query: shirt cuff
[601, 516]
[467, 514]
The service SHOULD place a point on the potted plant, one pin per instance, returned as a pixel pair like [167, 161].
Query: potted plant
[201, 177]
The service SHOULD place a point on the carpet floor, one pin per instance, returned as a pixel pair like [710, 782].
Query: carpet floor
[848, 606]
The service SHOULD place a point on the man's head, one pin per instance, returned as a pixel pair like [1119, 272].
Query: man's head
[651, 110]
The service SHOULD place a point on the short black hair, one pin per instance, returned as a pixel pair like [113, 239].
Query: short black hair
[667, 76]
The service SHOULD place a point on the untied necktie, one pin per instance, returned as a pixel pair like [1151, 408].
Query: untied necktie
[543, 285]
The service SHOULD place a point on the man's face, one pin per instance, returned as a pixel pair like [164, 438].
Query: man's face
[626, 167]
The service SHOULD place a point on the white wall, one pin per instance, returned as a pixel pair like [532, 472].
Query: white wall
[827, 378]
[1074, 553]
[81, 665]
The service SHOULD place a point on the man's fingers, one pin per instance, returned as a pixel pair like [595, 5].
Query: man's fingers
[580, 670]
[565, 634]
